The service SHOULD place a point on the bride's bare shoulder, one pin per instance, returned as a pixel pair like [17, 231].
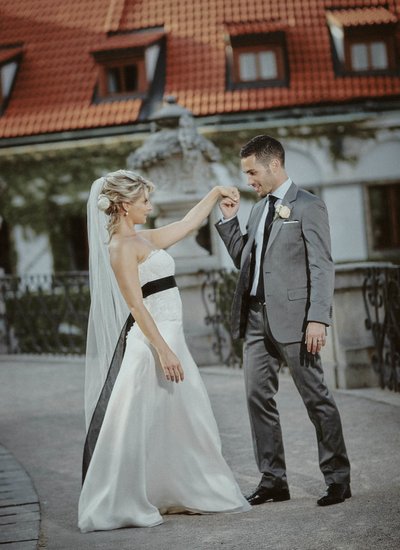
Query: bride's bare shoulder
[132, 247]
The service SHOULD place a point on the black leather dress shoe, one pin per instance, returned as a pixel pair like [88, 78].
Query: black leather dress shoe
[334, 494]
[263, 494]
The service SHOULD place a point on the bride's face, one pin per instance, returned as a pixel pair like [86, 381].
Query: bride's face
[140, 209]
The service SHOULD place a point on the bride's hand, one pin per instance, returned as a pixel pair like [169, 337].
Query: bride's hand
[171, 366]
[230, 201]
[231, 193]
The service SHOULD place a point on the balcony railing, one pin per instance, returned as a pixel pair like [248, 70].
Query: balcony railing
[44, 313]
[48, 314]
[381, 292]
[217, 292]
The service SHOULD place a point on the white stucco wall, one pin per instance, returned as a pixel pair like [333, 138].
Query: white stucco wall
[341, 184]
[33, 252]
[346, 216]
[302, 166]
[311, 167]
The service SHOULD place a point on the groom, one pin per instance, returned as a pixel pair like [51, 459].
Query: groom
[282, 306]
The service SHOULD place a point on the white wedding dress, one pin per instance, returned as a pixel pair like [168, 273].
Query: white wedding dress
[158, 449]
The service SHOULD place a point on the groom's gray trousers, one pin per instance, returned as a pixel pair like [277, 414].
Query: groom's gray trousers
[261, 356]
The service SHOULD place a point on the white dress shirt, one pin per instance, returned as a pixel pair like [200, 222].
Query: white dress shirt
[259, 237]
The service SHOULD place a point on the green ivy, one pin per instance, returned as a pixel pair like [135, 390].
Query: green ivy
[45, 188]
[38, 181]
[230, 142]
[225, 290]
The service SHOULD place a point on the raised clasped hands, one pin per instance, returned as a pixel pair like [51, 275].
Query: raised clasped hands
[230, 202]
[171, 366]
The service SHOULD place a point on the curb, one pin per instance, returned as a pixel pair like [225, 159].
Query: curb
[19, 505]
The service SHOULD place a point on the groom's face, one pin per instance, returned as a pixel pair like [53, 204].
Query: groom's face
[261, 177]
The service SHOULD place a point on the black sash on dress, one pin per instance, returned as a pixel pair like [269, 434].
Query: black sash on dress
[100, 410]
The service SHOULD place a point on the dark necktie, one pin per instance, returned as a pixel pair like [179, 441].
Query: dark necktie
[268, 221]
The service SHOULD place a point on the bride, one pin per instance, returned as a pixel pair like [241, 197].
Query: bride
[152, 444]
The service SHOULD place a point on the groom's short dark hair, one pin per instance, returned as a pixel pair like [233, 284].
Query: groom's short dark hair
[265, 148]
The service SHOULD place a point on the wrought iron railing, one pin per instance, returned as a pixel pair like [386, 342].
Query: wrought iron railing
[217, 292]
[48, 314]
[44, 313]
[381, 292]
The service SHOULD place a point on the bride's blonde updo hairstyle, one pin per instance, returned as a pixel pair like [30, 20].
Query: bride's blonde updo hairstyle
[119, 187]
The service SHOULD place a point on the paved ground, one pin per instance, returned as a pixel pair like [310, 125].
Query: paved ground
[19, 505]
[41, 423]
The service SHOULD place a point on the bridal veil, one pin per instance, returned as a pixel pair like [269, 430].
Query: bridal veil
[108, 310]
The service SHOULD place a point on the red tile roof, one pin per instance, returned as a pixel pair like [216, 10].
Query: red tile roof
[254, 27]
[54, 88]
[118, 42]
[7, 54]
[362, 16]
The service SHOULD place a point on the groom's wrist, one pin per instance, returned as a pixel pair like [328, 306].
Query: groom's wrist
[318, 322]
[224, 220]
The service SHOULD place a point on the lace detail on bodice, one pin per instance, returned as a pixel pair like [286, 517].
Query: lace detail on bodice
[165, 305]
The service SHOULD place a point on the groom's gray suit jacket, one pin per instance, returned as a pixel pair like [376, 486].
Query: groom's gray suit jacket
[298, 268]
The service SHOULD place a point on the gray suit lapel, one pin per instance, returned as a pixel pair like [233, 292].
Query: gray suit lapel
[287, 200]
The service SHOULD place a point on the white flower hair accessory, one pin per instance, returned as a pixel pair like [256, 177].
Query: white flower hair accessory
[282, 211]
[103, 202]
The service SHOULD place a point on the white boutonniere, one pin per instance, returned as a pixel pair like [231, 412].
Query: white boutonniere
[282, 211]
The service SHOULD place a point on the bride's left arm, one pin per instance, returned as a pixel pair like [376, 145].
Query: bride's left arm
[165, 236]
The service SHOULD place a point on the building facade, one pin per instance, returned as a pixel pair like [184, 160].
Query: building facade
[80, 83]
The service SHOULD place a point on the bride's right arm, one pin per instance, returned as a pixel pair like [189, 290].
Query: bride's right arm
[167, 235]
[125, 266]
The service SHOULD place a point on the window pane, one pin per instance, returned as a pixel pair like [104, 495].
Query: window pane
[131, 78]
[379, 217]
[7, 73]
[76, 234]
[5, 247]
[359, 57]
[247, 66]
[379, 55]
[114, 84]
[268, 67]
[384, 203]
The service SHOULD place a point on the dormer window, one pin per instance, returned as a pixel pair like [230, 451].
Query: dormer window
[363, 41]
[10, 57]
[256, 56]
[127, 64]
[123, 77]
[257, 63]
[368, 54]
